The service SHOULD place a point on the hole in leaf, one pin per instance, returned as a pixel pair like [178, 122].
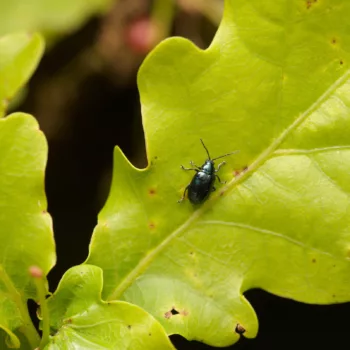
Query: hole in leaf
[174, 312]
[239, 329]
[171, 313]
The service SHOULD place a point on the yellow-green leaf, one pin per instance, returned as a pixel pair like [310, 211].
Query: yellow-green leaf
[274, 84]
[19, 56]
[81, 320]
[25, 226]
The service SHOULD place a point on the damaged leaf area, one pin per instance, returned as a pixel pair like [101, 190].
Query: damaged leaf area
[274, 84]
[81, 320]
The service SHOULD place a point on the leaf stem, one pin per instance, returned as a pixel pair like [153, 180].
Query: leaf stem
[27, 329]
[39, 281]
[163, 13]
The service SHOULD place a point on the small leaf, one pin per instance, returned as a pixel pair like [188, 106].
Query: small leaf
[25, 227]
[19, 57]
[274, 84]
[80, 319]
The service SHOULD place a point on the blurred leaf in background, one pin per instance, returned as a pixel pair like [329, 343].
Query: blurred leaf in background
[19, 57]
[51, 17]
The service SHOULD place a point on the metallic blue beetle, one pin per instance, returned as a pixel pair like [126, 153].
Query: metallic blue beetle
[202, 183]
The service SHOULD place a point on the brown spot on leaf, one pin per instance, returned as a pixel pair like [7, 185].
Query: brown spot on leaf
[313, 260]
[309, 3]
[221, 193]
[341, 62]
[151, 225]
[239, 171]
[129, 326]
[239, 329]
[152, 191]
[184, 313]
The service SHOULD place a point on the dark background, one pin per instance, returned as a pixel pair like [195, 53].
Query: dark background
[85, 97]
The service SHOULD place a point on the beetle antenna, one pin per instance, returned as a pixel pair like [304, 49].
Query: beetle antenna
[205, 148]
[227, 154]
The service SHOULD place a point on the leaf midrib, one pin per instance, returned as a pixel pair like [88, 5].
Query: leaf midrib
[260, 160]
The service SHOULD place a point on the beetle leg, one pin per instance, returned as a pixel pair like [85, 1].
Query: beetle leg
[220, 180]
[194, 165]
[183, 197]
[183, 168]
[220, 165]
[213, 189]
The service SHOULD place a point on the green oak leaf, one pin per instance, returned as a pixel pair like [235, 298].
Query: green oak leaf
[25, 227]
[81, 320]
[49, 17]
[19, 56]
[274, 84]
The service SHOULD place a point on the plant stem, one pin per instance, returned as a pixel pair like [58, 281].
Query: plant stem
[163, 14]
[27, 329]
[38, 276]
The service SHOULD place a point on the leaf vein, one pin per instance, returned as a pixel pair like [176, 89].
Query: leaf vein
[270, 233]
